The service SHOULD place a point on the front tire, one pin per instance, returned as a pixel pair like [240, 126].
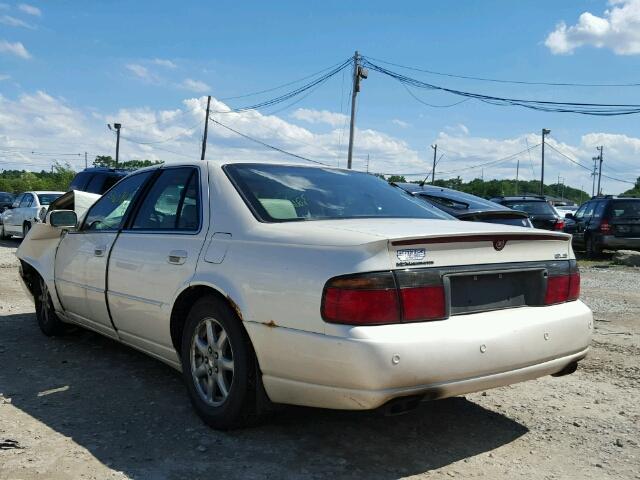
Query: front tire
[3, 234]
[219, 365]
[25, 229]
[48, 321]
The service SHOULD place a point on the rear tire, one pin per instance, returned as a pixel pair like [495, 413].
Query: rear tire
[219, 365]
[3, 234]
[592, 249]
[48, 321]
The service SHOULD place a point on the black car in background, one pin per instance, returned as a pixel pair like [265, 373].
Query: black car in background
[465, 206]
[97, 179]
[6, 200]
[606, 222]
[541, 213]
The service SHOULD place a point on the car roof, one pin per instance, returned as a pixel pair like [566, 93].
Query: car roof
[474, 202]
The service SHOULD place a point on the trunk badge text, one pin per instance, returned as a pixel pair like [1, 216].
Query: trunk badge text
[411, 256]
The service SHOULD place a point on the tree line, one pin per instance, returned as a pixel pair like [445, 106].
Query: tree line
[60, 175]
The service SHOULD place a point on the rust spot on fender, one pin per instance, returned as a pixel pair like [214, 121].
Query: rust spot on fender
[270, 324]
[235, 307]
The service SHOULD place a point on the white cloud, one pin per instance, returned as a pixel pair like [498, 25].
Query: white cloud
[618, 29]
[400, 123]
[195, 85]
[319, 116]
[30, 9]
[42, 122]
[138, 70]
[16, 48]
[4, 77]
[164, 63]
[14, 22]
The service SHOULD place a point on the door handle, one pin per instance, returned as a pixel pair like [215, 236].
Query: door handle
[177, 257]
[99, 251]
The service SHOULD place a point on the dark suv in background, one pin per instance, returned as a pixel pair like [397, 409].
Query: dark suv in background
[97, 179]
[541, 213]
[6, 200]
[607, 222]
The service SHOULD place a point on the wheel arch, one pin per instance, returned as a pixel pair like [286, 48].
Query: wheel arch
[185, 300]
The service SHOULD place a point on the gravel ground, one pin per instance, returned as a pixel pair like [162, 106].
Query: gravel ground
[83, 406]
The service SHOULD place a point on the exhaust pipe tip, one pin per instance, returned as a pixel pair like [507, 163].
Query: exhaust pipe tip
[402, 405]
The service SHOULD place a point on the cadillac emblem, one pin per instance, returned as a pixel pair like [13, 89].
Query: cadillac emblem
[499, 244]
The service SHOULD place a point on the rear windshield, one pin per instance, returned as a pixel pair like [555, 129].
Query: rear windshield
[47, 198]
[532, 208]
[282, 193]
[462, 201]
[625, 209]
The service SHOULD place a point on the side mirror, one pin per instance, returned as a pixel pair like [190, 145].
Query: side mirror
[570, 216]
[62, 219]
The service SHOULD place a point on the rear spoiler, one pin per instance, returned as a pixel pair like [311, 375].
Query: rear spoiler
[483, 237]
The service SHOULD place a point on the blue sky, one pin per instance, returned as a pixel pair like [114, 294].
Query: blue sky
[142, 63]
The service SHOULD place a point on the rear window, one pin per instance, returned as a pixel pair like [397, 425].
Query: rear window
[282, 193]
[532, 208]
[47, 198]
[80, 181]
[625, 209]
[462, 201]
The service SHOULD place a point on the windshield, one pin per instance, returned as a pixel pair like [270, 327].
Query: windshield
[625, 209]
[282, 193]
[5, 197]
[532, 208]
[47, 198]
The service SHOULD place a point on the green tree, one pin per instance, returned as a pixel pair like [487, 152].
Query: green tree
[108, 162]
[396, 179]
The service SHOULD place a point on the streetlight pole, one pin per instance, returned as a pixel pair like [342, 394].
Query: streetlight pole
[359, 73]
[117, 126]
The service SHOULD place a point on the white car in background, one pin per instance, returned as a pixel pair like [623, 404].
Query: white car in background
[306, 285]
[28, 208]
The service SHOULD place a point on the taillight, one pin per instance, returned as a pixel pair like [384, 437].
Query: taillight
[562, 288]
[559, 226]
[369, 299]
[605, 227]
[422, 303]
[383, 298]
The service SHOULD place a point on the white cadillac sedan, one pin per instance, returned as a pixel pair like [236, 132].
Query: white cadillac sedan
[273, 283]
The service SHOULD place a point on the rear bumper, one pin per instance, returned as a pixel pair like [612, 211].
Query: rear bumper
[620, 243]
[369, 366]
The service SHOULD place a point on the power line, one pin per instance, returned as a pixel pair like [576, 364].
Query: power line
[284, 84]
[597, 109]
[587, 168]
[496, 80]
[286, 96]
[430, 104]
[264, 144]
[472, 167]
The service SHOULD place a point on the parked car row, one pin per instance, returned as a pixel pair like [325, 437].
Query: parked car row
[274, 283]
[27, 208]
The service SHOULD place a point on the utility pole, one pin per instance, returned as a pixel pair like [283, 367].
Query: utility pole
[593, 174]
[433, 170]
[367, 163]
[558, 187]
[117, 126]
[206, 129]
[358, 73]
[581, 191]
[85, 160]
[483, 185]
[600, 148]
[545, 132]
[517, 174]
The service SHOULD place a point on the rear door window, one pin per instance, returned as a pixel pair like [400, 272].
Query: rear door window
[173, 202]
[79, 182]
